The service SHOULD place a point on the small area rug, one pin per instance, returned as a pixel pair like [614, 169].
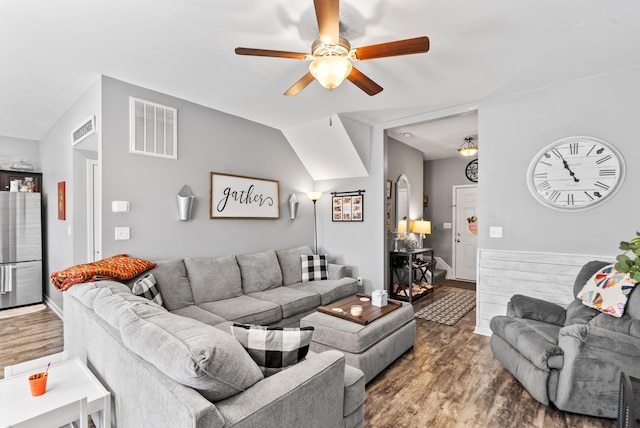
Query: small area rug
[449, 309]
[8, 313]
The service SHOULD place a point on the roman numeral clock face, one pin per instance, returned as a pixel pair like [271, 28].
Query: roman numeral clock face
[575, 173]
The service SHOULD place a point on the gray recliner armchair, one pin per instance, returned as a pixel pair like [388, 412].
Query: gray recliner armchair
[570, 357]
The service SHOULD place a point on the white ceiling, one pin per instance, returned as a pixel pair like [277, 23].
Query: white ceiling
[51, 51]
[439, 138]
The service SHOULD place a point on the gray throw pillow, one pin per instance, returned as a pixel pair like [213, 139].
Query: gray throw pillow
[214, 279]
[290, 264]
[190, 352]
[259, 271]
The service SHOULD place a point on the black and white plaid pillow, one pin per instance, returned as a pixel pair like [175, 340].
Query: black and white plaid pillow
[148, 288]
[314, 268]
[273, 348]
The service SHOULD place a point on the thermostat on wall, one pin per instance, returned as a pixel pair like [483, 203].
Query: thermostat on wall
[120, 206]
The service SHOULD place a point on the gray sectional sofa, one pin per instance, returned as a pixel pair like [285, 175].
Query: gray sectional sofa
[179, 365]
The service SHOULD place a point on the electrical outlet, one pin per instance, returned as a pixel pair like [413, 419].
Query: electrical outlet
[495, 232]
[360, 281]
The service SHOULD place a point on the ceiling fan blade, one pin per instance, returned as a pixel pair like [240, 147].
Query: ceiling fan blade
[363, 82]
[300, 85]
[328, 16]
[270, 53]
[400, 47]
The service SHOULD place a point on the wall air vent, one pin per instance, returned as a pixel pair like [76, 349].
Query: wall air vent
[87, 128]
[153, 129]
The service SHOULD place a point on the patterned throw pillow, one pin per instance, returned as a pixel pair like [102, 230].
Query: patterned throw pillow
[273, 348]
[607, 291]
[120, 267]
[314, 268]
[147, 287]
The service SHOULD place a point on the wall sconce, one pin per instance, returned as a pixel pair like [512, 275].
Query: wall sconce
[185, 199]
[293, 206]
[421, 227]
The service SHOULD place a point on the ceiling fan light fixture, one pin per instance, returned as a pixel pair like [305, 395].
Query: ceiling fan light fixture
[468, 148]
[330, 71]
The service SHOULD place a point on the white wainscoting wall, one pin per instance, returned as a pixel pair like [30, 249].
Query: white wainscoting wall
[501, 274]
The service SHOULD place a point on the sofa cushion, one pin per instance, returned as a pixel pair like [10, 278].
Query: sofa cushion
[173, 283]
[245, 309]
[314, 268]
[214, 279]
[329, 290]
[259, 271]
[290, 264]
[537, 345]
[189, 352]
[87, 292]
[607, 291]
[291, 301]
[625, 325]
[147, 288]
[199, 314]
[577, 313]
[273, 348]
[112, 302]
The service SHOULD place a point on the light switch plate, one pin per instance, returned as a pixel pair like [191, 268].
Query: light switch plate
[446, 225]
[123, 233]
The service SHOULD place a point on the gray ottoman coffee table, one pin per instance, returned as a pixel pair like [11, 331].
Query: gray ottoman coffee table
[371, 347]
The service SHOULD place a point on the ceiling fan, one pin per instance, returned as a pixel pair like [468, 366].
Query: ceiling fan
[331, 55]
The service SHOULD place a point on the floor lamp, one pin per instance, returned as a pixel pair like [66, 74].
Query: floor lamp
[314, 196]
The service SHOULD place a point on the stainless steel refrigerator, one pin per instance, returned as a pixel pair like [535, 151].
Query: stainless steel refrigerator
[20, 249]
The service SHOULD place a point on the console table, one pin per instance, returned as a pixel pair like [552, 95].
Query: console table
[403, 273]
[68, 381]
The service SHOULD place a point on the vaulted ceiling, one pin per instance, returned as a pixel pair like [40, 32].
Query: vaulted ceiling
[51, 51]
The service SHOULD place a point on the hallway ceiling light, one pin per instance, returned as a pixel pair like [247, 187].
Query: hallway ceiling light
[468, 148]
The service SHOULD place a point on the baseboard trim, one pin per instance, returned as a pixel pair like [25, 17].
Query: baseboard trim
[482, 331]
[55, 308]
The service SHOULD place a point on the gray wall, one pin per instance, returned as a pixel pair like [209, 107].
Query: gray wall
[402, 159]
[439, 178]
[513, 129]
[65, 240]
[208, 140]
[357, 244]
[14, 149]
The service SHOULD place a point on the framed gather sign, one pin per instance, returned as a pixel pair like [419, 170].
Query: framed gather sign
[235, 196]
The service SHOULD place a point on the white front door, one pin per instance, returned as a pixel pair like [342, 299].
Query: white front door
[465, 234]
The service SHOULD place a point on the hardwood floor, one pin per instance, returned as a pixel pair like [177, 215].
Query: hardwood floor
[30, 336]
[449, 379]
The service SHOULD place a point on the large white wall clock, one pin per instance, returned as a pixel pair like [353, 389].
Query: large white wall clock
[575, 173]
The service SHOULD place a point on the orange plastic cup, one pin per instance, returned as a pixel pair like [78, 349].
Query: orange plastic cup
[38, 383]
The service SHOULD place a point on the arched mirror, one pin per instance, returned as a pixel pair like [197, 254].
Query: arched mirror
[402, 203]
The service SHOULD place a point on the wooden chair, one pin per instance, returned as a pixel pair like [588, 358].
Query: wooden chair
[39, 364]
[626, 413]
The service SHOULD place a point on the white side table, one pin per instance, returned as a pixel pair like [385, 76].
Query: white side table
[68, 381]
